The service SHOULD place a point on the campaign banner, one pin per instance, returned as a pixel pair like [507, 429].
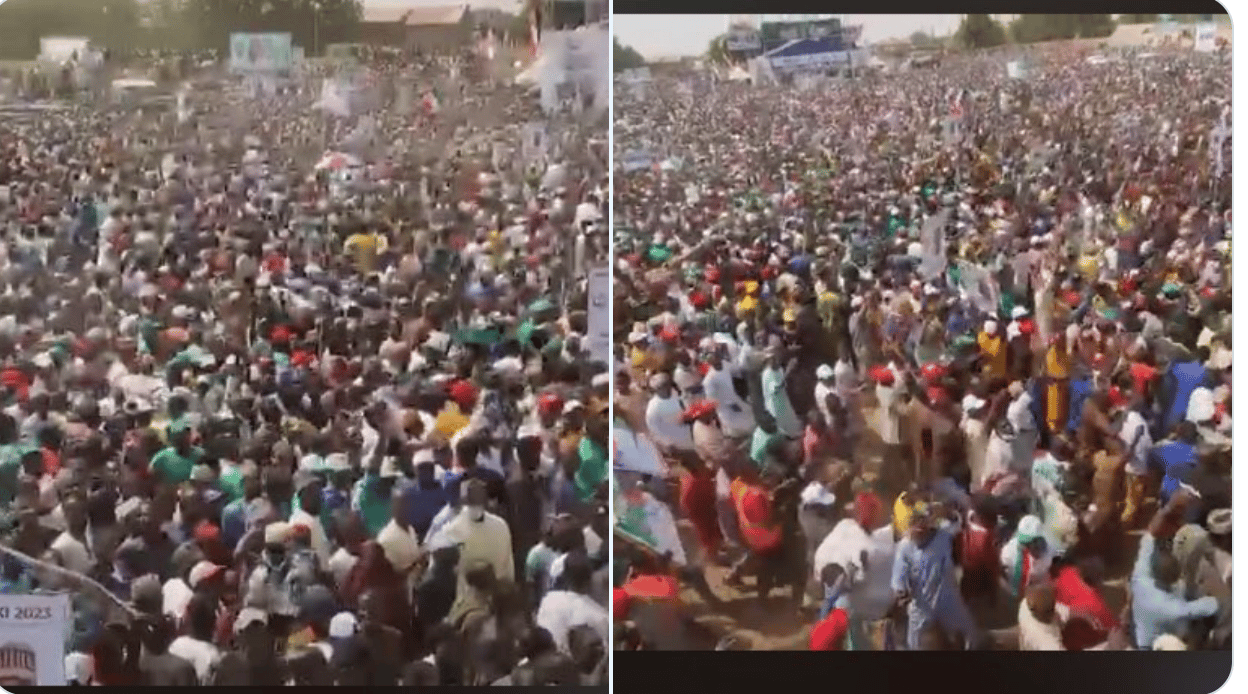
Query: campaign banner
[63, 49]
[599, 314]
[1206, 38]
[268, 53]
[1016, 70]
[32, 640]
[743, 39]
[636, 160]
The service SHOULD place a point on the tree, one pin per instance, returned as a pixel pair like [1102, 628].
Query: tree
[1032, 28]
[921, 39]
[1092, 26]
[717, 50]
[625, 57]
[1137, 19]
[312, 24]
[980, 31]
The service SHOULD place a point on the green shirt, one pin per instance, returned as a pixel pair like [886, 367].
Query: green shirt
[374, 509]
[593, 469]
[173, 467]
[231, 482]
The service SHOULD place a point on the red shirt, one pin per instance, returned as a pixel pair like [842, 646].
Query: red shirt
[979, 550]
[1141, 376]
[1097, 620]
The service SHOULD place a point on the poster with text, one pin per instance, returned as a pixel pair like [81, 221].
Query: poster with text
[32, 640]
[600, 314]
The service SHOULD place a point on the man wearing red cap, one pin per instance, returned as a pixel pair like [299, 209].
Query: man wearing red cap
[829, 634]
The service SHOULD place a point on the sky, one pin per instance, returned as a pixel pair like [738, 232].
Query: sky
[672, 35]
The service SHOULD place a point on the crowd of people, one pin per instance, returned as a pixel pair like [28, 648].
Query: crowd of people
[936, 359]
[277, 418]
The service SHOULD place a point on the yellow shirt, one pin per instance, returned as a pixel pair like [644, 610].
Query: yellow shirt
[994, 349]
[449, 421]
[365, 248]
[1057, 362]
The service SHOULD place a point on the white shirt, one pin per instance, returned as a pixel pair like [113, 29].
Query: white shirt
[872, 597]
[75, 555]
[844, 547]
[562, 611]
[1133, 425]
[340, 565]
[663, 419]
[888, 424]
[400, 546]
[1034, 635]
[734, 413]
[200, 654]
[175, 596]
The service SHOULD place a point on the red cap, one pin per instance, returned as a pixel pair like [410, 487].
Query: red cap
[669, 333]
[933, 371]
[937, 394]
[829, 634]
[867, 508]
[698, 409]
[549, 403]
[207, 532]
[463, 393]
[754, 506]
[882, 374]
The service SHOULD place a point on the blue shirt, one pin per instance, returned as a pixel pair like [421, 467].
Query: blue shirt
[1177, 460]
[423, 504]
[927, 573]
[234, 522]
[1080, 389]
[1157, 611]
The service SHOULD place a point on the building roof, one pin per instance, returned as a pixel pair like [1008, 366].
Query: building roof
[413, 13]
[384, 15]
[434, 15]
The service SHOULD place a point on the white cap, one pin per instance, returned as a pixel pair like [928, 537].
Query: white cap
[970, 403]
[572, 406]
[276, 533]
[823, 372]
[342, 625]
[203, 570]
[248, 616]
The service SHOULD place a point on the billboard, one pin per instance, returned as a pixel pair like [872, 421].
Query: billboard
[1206, 38]
[774, 34]
[63, 49]
[743, 38]
[269, 53]
[32, 640]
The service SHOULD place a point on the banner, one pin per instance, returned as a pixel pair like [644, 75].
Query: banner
[32, 640]
[63, 49]
[636, 160]
[1206, 38]
[534, 145]
[932, 237]
[1016, 70]
[269, 53]
[743, 39]
[334, 98]
[599, 311]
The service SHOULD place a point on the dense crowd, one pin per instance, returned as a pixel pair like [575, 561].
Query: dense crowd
[274, 417]
[940, 356]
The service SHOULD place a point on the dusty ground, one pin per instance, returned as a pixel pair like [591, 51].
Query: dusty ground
[777, 626]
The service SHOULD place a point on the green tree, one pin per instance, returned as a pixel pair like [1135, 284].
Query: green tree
[1137, 18]
[312, 24]
[921, 39]
[717, 50]
[1092, 26]
[625, 57]
[980, 31]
